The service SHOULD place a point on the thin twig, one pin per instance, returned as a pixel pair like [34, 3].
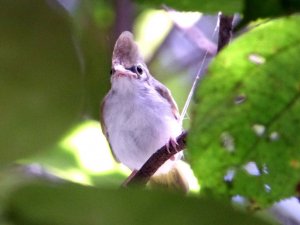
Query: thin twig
[143, 175]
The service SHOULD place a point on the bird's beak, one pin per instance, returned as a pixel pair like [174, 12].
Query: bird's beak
[121, 71]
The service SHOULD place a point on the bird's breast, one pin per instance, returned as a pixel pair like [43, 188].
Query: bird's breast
[138, 125]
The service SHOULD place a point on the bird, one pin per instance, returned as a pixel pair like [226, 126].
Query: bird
[139, 115]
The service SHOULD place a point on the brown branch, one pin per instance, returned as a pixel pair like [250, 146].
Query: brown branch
[143, 175]
[225, 31]
[124, 17]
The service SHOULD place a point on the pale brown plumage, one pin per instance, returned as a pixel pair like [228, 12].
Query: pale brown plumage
[139, 114]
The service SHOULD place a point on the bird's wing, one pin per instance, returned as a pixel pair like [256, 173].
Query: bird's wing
[103, 126]
[166, 94]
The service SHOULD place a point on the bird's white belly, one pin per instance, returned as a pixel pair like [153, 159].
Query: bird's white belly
[137, 127]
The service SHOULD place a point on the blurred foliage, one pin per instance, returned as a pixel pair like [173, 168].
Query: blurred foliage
[248, 110]
[94, 42]
[40, 78]
[54, 69]
[87, 205]
[50, 78]
[208, 6]
[254, 9]
[250, 9]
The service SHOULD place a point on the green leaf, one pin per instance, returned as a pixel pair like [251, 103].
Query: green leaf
[248, 111]
[41, 93]
[72, 204]
[206, 6]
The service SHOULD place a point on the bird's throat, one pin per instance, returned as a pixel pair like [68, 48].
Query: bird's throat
[124, 84]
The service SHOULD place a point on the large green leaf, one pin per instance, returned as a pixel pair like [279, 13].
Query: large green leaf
[72, 204]
[248, 111]
[40, 77]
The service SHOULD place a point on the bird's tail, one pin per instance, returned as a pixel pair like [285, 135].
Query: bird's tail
[173, 178]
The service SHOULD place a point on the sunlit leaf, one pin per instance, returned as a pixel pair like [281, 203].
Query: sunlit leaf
[248, 111]
[72, 204]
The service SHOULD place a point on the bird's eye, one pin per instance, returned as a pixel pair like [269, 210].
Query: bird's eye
[139, 70]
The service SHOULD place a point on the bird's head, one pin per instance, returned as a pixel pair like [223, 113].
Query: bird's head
[128, 66]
